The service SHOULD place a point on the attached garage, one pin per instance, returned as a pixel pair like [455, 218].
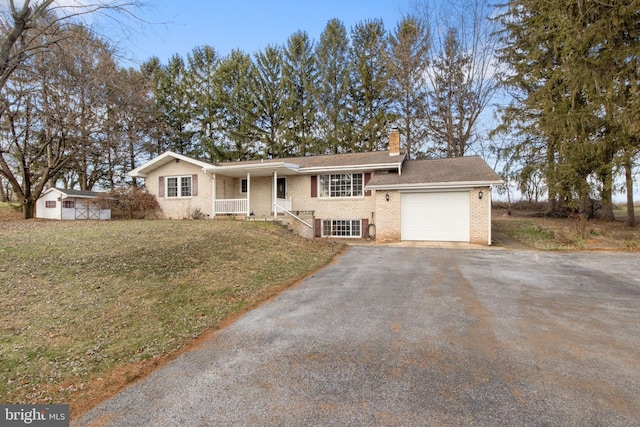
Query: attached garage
[439, 200]
[439, 216]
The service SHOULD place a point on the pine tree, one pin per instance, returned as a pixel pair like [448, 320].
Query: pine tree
[574, 68]
[408, 60]
[370, 95]
[238, 109]
[300, 82]
[203, 91]
[177, 107]
[268, 93]
[332, 63]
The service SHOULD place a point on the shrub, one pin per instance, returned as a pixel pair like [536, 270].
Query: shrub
[133, 202]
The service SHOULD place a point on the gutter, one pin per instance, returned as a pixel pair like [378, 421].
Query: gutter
[433, 185]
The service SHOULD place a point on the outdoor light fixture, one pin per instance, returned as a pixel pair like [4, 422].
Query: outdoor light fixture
[387, 196]
[480, 194]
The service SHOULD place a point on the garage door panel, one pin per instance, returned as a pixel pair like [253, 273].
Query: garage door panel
[435, 216]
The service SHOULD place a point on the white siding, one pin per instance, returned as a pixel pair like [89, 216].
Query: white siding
[49, 213]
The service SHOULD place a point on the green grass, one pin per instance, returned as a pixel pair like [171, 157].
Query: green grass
[547, 233]
[531, 233]
[80, 299]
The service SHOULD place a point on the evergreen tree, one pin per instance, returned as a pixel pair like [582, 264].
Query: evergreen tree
[574, 69]
[370, 95]
[238, 108]
[177, 107]
[408, 61]
[300, 82]
[332, 63]
[203, 91]
[268, 93]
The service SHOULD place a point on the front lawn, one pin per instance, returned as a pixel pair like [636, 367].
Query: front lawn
[86, 307]
[537, 231]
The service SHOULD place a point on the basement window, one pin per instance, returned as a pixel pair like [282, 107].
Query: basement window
[341, 228]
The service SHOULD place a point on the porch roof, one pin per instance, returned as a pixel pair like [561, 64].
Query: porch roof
[311, 164]
[241, 169]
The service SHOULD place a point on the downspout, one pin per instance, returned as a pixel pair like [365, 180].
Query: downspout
[489, 215]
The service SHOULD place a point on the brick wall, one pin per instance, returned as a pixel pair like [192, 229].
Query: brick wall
[479, 230]
[181, 207]
[299, 188]
[387, 216]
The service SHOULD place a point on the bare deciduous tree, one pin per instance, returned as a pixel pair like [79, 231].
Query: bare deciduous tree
[35, 147]
[461, 81]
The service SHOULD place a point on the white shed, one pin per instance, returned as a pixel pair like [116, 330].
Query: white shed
[56, 203]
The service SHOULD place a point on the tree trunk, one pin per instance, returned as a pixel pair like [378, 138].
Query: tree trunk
[607, 196]
[631, 218]
[28, 208]
[3, 193]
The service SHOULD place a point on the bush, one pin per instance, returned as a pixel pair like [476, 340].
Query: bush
[133, 202]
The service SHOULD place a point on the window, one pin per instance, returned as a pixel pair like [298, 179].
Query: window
[179, 186]
[68, 204]
[341, 227]
[50, 204]
[341, 185]
[243, 185]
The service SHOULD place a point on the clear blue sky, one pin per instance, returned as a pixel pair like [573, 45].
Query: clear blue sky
[180, 25]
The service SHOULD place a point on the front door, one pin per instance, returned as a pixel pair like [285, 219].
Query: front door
[281, 186]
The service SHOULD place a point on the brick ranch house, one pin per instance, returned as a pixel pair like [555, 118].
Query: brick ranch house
[357, 195]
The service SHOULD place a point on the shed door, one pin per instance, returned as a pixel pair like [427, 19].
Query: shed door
[442, 217]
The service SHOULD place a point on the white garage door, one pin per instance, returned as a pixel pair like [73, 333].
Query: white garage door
[442, 217]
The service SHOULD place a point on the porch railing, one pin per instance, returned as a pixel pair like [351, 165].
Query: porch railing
[283, 205]
[231, 206]
[294, 216]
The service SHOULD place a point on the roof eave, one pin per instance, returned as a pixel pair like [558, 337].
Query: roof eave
[142, 171]
[433, 185]
[374, 166]
[250, 167]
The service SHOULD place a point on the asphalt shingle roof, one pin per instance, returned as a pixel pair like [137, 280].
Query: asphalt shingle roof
[348, 159]
[459, 169]
[78, 193]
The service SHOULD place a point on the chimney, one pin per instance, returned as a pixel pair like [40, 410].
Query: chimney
[394, 142]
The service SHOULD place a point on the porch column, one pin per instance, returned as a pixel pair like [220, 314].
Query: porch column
[248, 194]
[489, 213]
[275, 194]
[213, 196]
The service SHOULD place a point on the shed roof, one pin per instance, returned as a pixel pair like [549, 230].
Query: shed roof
[75, 193]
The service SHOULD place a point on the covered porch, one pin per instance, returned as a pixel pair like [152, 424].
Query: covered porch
[256, 188]
[243, 207]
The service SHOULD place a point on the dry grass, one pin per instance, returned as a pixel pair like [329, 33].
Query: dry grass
[81, 301]
[544, 233]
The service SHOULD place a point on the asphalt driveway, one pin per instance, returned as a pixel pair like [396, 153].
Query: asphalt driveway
[416, 336]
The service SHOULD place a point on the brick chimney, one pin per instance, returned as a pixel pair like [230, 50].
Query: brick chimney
[394, 142]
